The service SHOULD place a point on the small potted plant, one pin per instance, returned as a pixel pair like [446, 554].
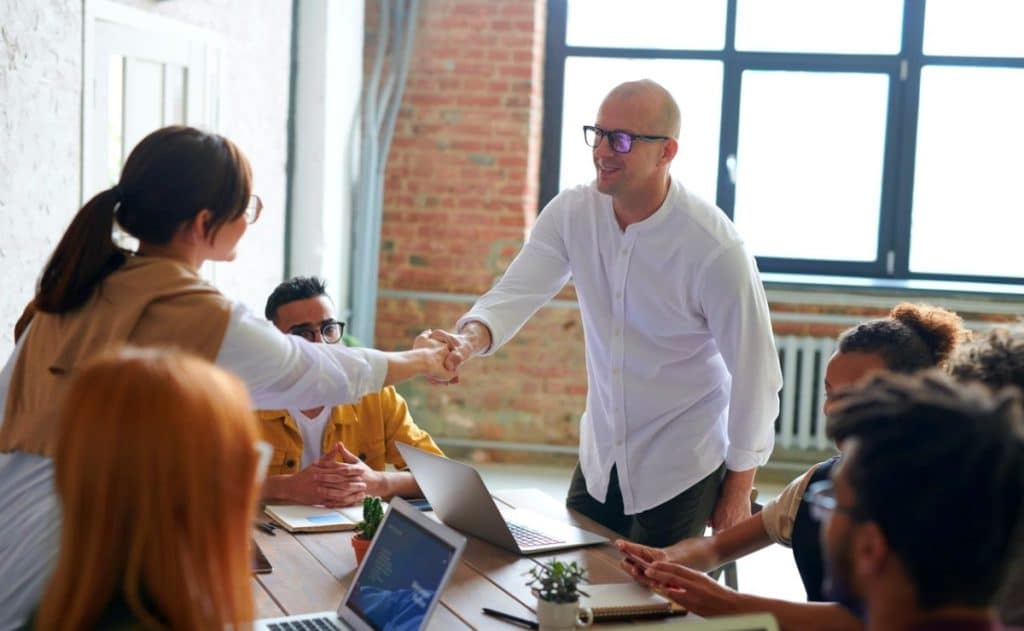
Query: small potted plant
[556, 586]
[373, 513]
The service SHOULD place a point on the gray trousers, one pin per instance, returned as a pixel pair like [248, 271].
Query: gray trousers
[685, 515]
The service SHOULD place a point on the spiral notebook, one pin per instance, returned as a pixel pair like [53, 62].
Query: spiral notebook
[620, 601]
[298, 518]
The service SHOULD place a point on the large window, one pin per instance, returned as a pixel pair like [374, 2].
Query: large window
[871, 138]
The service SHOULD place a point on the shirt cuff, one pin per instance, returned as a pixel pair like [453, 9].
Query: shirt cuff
[378, 361]
[737, 459]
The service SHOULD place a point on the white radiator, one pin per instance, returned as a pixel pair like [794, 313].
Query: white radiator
[801, 424]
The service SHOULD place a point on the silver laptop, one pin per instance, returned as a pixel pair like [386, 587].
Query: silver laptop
[400, 581]
[460, 498]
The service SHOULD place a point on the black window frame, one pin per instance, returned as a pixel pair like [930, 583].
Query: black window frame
[892, 261]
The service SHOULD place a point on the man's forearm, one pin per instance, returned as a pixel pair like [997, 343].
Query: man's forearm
[742, 539]
[739, 481]
[390, 484]
[275, 487]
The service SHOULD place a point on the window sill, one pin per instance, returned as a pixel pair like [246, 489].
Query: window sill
[893, 286]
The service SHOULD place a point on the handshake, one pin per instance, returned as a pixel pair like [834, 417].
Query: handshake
[445, 352]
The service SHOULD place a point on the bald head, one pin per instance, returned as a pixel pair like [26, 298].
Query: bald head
[657, 111]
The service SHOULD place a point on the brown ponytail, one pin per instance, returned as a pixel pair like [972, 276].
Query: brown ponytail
[169, 177]
[85, 256]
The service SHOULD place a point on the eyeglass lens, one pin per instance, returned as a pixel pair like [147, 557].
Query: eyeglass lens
[620, 141]
[330, 332]
[253, 210]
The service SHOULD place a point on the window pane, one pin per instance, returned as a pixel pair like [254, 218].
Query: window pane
[982, 28]
[694, 24]
[968, 214]
[696, 85]
[810, 158]
[819, 26]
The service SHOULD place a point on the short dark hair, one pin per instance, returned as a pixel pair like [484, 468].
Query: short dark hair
[995, 359]
[940, 468]
[298, 288]
[913, 337]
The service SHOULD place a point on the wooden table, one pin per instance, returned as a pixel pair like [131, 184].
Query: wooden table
[313, 570]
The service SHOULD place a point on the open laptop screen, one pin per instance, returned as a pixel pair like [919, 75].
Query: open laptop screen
[401, 575]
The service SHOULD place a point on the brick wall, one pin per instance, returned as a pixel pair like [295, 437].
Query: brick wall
[461, 182]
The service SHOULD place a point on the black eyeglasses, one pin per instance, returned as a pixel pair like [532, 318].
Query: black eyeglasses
[620, 141]
[821, 496]
[253, 208]
[330, 332]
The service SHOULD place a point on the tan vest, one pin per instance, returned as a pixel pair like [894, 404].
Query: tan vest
[149, 301]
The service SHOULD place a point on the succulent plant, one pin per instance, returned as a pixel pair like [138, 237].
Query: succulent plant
[373, 513]
[557, 581]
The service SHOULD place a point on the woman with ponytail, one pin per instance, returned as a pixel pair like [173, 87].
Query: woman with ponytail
[186, 195]
[912, 338]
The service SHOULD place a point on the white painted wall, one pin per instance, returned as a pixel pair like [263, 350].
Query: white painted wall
[40, 135]
[328, 83]
[40, 102]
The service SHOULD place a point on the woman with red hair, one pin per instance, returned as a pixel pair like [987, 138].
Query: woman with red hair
[147, 540]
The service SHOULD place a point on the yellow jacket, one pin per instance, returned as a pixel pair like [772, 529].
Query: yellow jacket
[369, 429]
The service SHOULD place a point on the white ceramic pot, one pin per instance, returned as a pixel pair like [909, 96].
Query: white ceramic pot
[554, 616]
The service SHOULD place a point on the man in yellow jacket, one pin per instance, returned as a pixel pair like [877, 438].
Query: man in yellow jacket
[334, 455]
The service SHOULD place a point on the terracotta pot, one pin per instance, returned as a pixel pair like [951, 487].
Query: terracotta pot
[360, 544]
[562, 616]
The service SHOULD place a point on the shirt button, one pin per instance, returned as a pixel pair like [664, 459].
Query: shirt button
[625, 251]
[616, 332]
[618, 294]
[619, 443]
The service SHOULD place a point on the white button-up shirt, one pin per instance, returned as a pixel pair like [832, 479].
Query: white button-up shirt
[682, 370]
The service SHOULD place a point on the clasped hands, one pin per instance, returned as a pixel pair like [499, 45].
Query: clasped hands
[331, 483]
[454, 349]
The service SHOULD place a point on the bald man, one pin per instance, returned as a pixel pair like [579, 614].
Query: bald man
[682, 372]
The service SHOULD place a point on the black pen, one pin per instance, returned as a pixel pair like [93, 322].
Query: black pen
[507, 617]
[265, 527]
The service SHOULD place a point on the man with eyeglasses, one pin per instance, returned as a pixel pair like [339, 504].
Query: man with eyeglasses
[920, 516]
[682, 372]
[337, 455]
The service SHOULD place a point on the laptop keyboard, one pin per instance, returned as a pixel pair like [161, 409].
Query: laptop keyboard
[310, 624]
[528, 537]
